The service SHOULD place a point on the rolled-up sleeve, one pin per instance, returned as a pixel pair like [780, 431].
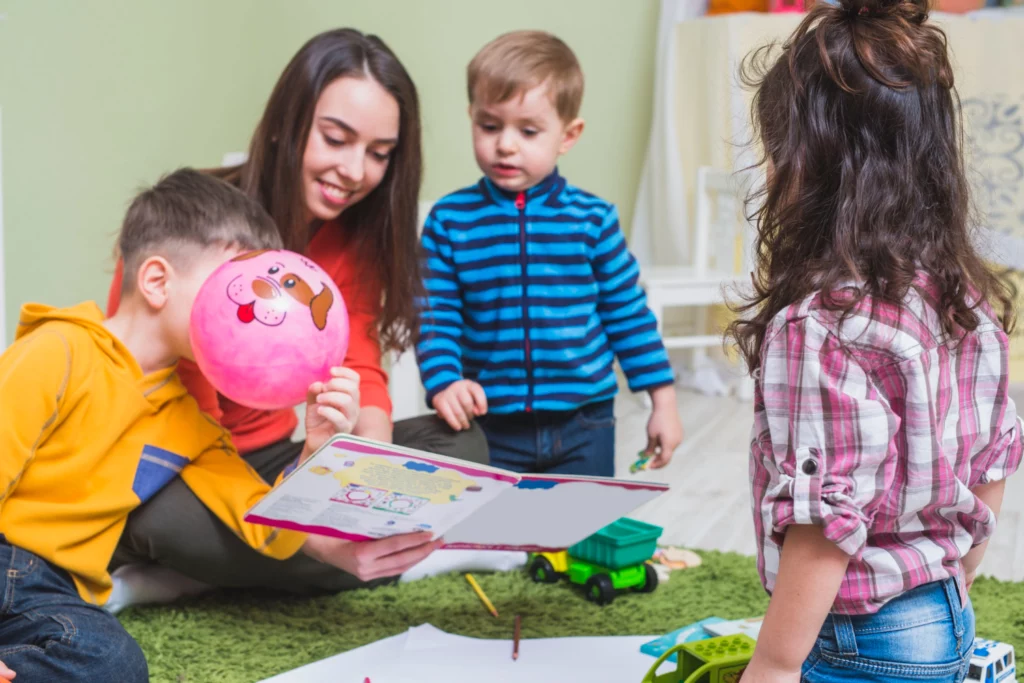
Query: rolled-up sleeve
[828, 434]
[1003, 458]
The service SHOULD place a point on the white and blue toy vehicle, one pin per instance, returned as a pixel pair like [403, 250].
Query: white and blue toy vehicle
[992, 662]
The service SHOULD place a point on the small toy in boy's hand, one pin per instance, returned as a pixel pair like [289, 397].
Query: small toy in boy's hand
[641, 464]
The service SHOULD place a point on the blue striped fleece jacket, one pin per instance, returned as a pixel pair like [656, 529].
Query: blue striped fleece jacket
[532, 296]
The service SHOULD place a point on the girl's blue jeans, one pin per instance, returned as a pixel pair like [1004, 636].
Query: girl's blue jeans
[923, 635]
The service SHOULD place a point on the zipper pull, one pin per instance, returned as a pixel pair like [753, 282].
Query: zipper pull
[521, 201]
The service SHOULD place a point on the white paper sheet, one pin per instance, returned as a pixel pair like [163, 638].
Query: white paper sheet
[426, 653]
[374, 661]
[433, 655]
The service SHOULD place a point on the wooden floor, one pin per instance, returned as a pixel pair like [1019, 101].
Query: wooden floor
[708, 506]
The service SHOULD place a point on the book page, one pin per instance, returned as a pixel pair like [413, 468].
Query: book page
[361, 490]
[547, 512]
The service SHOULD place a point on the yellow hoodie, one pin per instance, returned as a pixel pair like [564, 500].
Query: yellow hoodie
[85, 438]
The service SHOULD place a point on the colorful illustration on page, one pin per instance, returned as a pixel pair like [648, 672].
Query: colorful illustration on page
[397, 487]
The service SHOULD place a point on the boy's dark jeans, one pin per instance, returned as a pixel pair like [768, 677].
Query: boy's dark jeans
[572, 442]
[48, 633]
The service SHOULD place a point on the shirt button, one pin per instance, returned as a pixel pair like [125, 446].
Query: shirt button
[809, 467]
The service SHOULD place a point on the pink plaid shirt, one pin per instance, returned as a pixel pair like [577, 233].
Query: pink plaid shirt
[876, 431]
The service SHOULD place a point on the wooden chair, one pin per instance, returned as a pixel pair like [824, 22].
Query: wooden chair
[721, 247]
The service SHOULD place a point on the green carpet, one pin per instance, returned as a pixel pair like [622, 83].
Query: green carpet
[240, 638]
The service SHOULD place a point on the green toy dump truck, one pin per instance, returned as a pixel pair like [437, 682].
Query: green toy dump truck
[611, 560]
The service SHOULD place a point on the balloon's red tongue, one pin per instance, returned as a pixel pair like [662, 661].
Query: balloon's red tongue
[247, 312]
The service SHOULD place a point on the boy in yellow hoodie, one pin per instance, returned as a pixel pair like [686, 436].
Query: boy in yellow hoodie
[94, 421]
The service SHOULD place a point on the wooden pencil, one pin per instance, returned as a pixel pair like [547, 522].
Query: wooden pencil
[515, 640]
[480, 593]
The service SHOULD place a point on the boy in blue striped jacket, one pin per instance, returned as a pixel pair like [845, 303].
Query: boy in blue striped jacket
[531, 290]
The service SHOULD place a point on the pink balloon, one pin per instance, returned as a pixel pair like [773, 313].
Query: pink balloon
[266, 325]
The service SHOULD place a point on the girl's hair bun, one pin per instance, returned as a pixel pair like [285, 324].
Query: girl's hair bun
[915, 11]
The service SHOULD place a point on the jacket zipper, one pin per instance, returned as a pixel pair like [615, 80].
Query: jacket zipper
[521, 205]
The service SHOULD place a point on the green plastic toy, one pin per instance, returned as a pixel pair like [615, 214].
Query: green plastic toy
[716, 660]
[611, 560]
[640, 464]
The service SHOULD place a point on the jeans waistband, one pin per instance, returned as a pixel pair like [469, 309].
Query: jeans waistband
[549, 417]
[947, 592]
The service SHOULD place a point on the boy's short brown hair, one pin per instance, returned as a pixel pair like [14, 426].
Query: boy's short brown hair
[515, 62]
[188, 211]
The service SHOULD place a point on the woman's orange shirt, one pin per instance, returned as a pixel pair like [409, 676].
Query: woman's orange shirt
[252, 429]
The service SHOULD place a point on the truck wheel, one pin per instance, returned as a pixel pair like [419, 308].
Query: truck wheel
[650, 580]
[600, 590]
[541, 570]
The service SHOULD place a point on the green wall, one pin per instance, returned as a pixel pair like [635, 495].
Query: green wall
[100, 97]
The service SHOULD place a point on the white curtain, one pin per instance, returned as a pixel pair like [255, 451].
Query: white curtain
[701, 117]
[660, 200]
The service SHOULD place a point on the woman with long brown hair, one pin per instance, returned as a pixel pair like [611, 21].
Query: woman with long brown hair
[336, 161]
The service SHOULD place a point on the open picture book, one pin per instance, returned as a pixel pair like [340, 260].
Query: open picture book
[360, 490]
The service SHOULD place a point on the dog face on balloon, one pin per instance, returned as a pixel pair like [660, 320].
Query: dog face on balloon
[268, 283]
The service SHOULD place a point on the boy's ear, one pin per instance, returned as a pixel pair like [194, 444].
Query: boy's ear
[572, 134]
[153, 281]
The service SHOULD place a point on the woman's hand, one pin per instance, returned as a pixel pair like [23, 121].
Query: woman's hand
[368, 560]
[332, 407]
[5, 673]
